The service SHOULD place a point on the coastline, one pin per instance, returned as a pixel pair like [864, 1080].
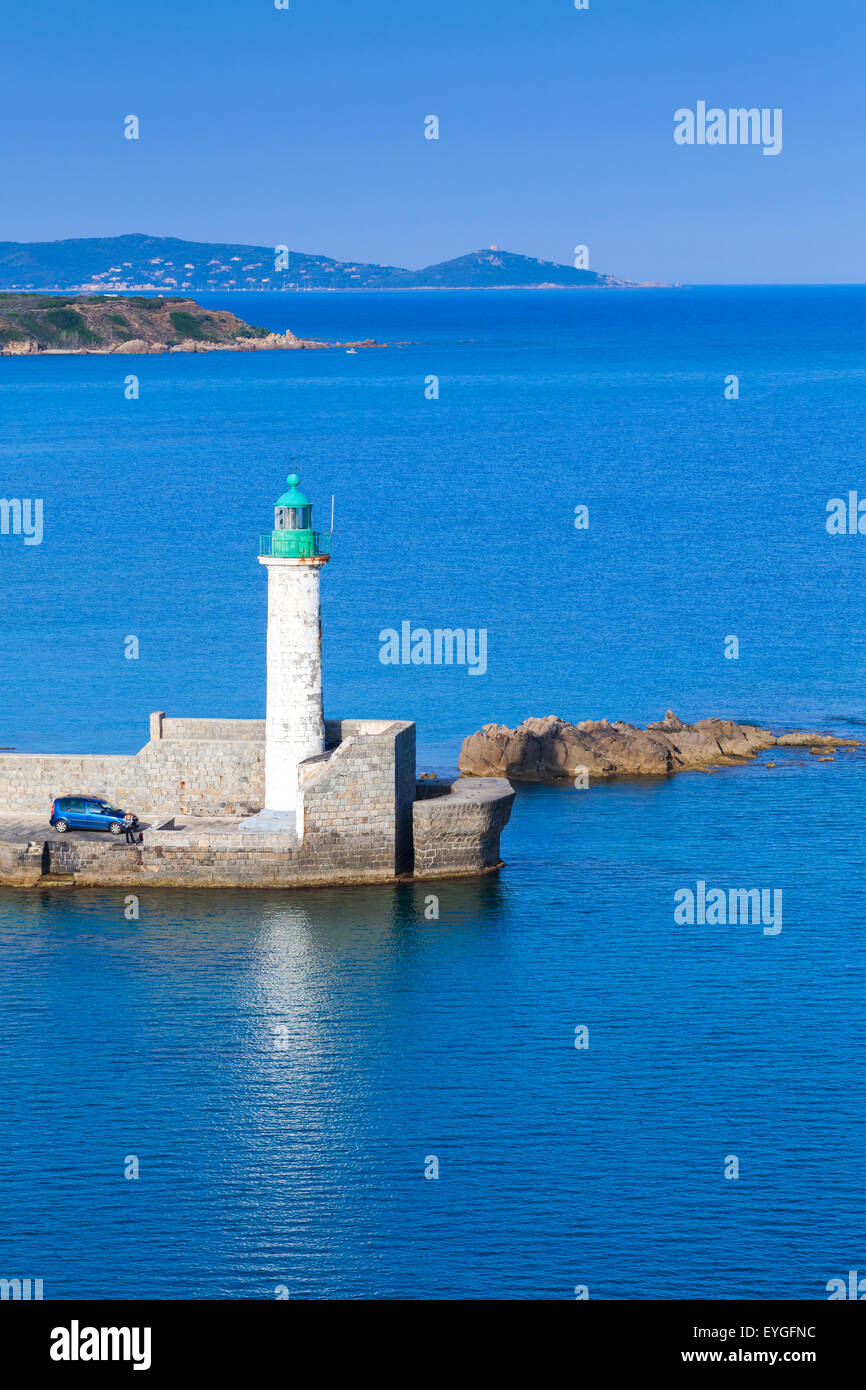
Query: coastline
[285, 343]
[160, 290]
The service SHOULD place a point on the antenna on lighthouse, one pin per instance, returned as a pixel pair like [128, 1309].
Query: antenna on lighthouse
[332, 513]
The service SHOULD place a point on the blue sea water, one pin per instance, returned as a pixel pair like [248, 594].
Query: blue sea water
[284, 1064]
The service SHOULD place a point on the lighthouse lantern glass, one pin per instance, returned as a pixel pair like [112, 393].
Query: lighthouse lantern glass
[293, 518]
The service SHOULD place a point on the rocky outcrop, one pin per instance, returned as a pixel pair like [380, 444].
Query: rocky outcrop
[133, 324]
[18, 347]
[549, 749]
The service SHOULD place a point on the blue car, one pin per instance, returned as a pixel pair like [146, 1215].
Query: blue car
[87, 813]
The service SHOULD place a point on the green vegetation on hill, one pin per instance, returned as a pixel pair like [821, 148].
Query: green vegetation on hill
[100, 323]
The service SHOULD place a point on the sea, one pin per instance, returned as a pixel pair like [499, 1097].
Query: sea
[535, 1085]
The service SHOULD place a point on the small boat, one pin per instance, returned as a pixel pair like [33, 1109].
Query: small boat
[348, 350]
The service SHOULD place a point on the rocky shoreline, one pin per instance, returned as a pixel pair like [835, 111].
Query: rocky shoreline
[552, 750]
[26, 347]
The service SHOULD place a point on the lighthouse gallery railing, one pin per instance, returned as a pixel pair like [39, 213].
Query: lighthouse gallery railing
[292, 545]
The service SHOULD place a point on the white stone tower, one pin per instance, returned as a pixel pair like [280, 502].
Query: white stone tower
[294, 555]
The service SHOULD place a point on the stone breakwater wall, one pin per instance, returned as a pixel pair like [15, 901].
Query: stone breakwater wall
[457, 826]
[201, 776]
[168, 859]
[200, 767]
[357, 808]
[356, 802]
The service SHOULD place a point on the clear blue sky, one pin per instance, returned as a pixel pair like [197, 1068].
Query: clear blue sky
[306, 127]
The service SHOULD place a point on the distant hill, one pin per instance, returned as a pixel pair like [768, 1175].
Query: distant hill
[500, 269]
[166, 264]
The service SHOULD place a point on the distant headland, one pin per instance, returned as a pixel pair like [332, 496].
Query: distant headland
[35, 323]
[137, 262]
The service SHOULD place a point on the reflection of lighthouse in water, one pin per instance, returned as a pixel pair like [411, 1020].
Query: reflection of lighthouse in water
[294, 555]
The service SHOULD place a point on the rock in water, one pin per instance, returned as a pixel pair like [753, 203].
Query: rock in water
[550, 749]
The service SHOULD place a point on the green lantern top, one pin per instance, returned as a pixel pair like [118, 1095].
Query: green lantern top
[293, 537]
[294, 497]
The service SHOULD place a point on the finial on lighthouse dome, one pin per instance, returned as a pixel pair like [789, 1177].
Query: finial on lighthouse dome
[293, 537]
[294, 497]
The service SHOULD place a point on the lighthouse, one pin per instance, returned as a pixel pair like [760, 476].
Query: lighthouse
[293, 554]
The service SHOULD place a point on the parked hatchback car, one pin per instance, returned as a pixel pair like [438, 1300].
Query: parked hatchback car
[87, 813]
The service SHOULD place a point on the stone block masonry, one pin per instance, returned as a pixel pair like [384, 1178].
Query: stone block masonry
[361, 820]
[198, 778]
[358, 801]
[457, 825]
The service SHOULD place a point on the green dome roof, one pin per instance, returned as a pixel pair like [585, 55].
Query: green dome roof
[294, 497]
